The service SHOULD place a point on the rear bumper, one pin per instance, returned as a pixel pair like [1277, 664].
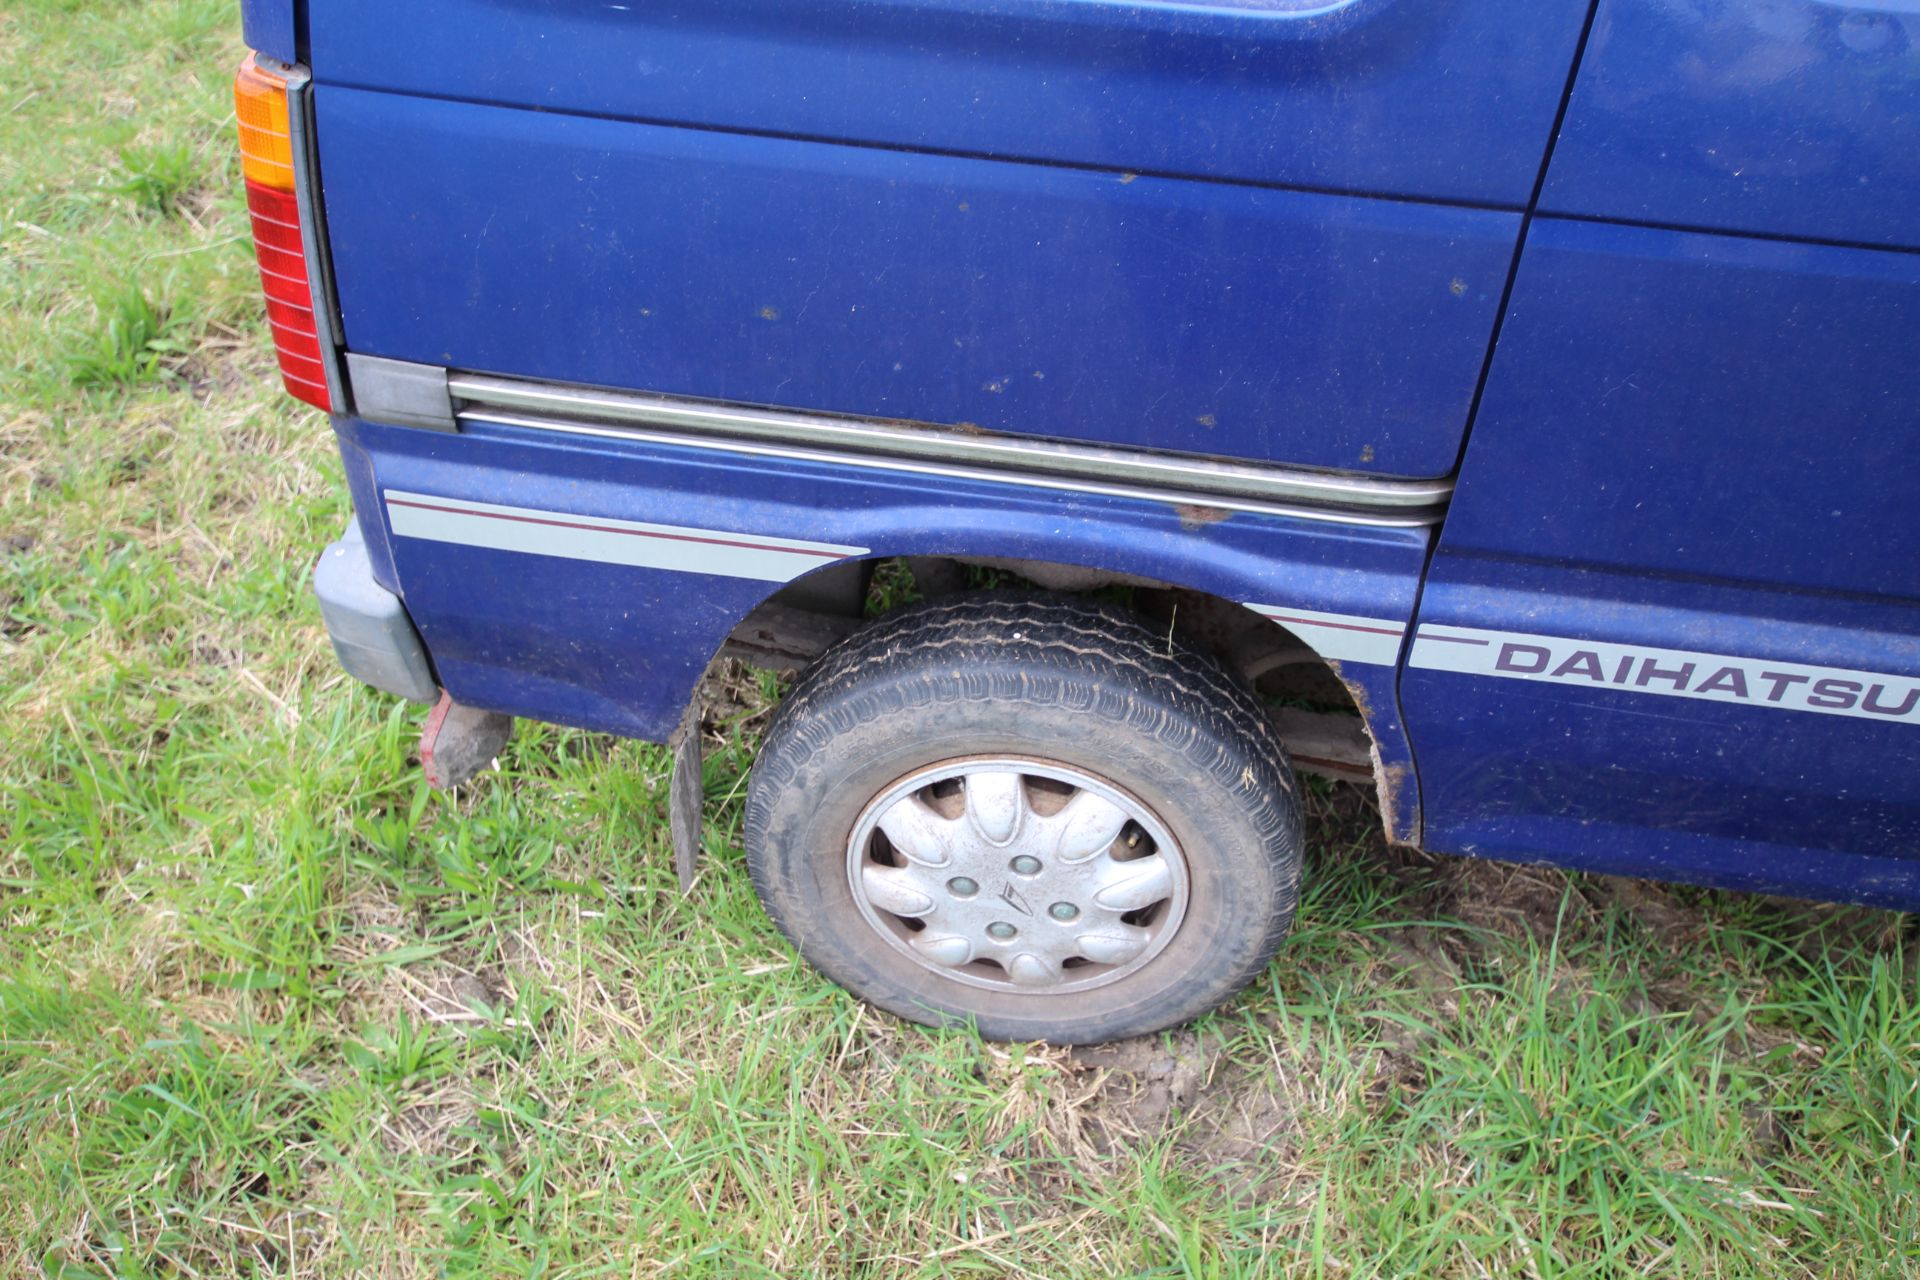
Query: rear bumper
[372, 635]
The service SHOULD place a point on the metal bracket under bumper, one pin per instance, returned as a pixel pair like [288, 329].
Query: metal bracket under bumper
[459, 741]
[372, 635]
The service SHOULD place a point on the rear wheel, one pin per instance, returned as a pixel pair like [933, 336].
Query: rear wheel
[1035, 814]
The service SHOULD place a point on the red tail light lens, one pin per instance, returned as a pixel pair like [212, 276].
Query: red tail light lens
[266, 158]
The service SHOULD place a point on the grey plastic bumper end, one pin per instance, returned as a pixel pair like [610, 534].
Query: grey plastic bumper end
[371, 632]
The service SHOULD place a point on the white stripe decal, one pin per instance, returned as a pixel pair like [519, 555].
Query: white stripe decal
[1339, 636]
[1672, 673]
[608, 541]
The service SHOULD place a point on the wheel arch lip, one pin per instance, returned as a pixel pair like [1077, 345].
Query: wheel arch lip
[1357, 619]
[1347, 593]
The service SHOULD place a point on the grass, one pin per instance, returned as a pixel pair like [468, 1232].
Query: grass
[126, 342]
[159, 177]
[269, 1007]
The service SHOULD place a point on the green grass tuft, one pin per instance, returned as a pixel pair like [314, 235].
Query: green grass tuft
[131, 340]
[158, 178]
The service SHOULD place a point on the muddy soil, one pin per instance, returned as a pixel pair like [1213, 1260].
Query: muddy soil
[1226, 1118]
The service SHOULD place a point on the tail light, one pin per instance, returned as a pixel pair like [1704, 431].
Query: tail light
[267, 161]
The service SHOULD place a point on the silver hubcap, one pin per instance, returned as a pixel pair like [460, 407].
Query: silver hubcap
[1017, 875]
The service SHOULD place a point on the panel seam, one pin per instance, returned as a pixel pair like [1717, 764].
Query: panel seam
[1479, 390]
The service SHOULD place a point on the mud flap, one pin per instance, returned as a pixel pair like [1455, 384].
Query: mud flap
[459, 741]
[684, 795]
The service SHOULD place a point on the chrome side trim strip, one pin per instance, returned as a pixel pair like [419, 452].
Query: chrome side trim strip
[1049, 464]
[1386, 519]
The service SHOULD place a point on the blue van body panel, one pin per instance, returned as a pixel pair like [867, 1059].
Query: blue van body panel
[1733, 423]
[1788, 118]
[1448, 101]
[1582, 773]
[268, 27]
[620, 648]
[1314, 329]
[1670, 625]
[1716, 408]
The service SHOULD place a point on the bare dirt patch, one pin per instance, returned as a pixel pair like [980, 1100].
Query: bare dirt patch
[1228, 1121]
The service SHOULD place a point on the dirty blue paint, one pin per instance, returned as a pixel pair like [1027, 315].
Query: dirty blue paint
[269, 27]
[1732, 426]
[1444, 101]
[1789, 118]
[1277, 232]
[1205, 317]
[620, 648]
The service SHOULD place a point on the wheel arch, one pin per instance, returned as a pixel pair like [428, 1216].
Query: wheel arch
[1316, 692]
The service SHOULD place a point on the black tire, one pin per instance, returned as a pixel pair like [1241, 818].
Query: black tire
[1082, 684]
